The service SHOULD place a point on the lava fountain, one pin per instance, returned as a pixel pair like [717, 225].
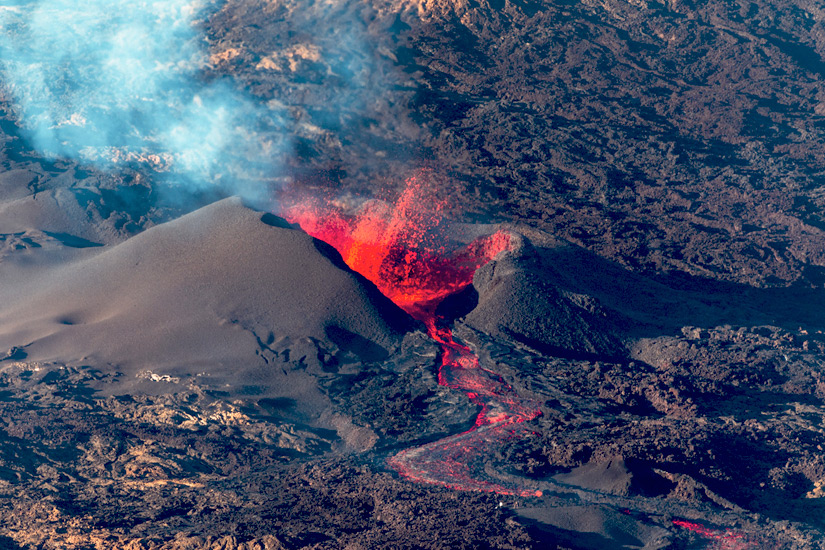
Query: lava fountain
[393, 245]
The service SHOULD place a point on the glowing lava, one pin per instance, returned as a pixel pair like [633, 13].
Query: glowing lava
[724, 539]
[392, 246]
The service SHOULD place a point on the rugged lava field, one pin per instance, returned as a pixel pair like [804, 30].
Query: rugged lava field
[502, 274]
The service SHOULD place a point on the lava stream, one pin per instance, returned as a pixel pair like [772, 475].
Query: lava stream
[446, 461]
[723, 539]
[391, 246]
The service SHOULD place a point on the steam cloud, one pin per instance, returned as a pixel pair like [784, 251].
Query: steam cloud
[118, 82]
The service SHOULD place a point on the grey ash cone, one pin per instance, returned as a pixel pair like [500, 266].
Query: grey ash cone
[204, 294]
[519, 298]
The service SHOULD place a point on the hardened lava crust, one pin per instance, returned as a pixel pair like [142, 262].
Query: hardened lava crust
[184, 370]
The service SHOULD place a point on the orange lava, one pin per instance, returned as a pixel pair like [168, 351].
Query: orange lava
[395, 246]
[725, 539]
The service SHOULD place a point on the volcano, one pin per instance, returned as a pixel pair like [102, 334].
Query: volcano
[391, 248]
[209, 304]
[412, 274]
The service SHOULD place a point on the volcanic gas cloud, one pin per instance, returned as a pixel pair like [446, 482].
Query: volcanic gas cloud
[396, 247]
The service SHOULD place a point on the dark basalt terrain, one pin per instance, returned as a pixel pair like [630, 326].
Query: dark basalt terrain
[180, 374]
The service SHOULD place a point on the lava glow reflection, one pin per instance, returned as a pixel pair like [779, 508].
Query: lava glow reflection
[392, 245]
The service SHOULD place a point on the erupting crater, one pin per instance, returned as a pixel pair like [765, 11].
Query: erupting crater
[393, 245]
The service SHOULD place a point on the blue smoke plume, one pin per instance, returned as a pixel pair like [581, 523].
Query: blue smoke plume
[117, 83]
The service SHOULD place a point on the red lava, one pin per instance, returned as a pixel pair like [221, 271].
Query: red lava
[392, 246]
[724, 539]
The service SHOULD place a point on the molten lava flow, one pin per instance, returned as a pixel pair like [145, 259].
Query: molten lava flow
[446, 461]
[724, 539]
[391, 245]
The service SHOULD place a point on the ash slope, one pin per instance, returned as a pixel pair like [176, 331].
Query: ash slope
[217, 294]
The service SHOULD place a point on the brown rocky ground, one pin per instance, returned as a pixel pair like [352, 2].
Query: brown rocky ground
[676, 145]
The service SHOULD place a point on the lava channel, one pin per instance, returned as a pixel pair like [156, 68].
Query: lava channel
[392, 246]
[723, 539]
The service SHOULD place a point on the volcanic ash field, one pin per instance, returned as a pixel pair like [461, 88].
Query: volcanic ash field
[394, 274]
